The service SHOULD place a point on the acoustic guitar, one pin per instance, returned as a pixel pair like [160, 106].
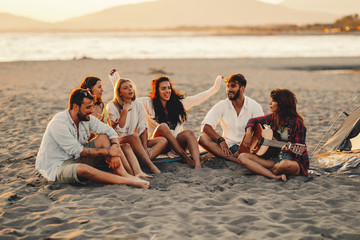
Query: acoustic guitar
[262, 139]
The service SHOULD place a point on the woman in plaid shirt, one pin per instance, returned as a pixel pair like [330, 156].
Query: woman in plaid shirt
[289, 126]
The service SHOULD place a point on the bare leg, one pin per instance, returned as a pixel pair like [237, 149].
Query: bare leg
[288, 167]
[102, 141]
[140, 151]
[99, 176]
[163, 131]
[213, 148]
[187, 139]
[133, 162]
[158, 145]
[128, 154]
[259, 166]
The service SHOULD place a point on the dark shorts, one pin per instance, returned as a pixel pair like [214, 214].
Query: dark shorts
[234, 148]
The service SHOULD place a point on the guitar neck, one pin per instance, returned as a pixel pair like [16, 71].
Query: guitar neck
[273, 143]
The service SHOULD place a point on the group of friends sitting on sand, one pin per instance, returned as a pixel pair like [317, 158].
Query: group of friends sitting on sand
[129, 132]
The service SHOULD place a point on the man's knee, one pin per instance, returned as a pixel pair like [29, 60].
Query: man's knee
[203, 140]
[243, 158]
[85, 170]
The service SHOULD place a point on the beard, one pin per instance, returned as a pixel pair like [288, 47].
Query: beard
[82, 117]
[236, 96]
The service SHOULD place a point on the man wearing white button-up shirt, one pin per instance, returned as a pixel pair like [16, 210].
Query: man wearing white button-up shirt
[233, 114]
[66, 156]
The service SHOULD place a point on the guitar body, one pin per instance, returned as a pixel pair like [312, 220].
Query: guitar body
[260, 150]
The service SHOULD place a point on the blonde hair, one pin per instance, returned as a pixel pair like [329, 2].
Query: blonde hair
[118, 100]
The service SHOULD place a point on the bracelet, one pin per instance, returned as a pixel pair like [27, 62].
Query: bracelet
[112, 143]
[220, 139]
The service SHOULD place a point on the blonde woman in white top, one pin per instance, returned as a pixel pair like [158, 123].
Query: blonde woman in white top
[127, 116]
[166, 115]
[130, 162]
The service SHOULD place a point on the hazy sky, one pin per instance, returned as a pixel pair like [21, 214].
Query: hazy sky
[53, 11]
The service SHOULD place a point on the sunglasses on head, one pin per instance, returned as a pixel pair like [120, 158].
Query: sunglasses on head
[86, 93]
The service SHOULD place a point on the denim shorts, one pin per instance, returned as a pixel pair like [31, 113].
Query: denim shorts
[234, 148]
[280, 155]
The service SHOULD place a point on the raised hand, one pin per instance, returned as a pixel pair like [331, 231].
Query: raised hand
[217, 83]
[112, 71]
[114, 76]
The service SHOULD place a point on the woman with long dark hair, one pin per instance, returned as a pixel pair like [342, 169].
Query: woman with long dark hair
[166, 114]
[288, 125]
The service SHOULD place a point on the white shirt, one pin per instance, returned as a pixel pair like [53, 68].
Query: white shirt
[233, 125]
[135, 119]
[60, 141]
[188, 103]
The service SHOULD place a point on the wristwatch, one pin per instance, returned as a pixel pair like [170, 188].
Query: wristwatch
[220, 139]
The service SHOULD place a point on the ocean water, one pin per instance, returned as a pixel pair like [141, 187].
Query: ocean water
[114, 45]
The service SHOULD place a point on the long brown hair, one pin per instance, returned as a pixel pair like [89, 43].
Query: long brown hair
[174, 107]
[88, 83]
[286, 110]
[118, 100]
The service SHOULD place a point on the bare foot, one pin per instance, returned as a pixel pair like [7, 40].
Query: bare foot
[141, 184]
[283, 178]
[143, 175]
[197, 165]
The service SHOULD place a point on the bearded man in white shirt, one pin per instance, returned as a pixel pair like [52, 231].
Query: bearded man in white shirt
[66, 156]
[233, 114]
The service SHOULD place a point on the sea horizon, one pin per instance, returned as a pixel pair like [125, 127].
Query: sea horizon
[32, 46]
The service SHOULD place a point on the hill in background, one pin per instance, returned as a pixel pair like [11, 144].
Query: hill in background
[187, 14]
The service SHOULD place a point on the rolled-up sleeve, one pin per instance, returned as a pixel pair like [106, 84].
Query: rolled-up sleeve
[97, 126]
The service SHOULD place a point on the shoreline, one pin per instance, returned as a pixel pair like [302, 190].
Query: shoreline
[350, 61]
[211, 32]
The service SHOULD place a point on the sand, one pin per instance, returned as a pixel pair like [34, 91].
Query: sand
[220, 201]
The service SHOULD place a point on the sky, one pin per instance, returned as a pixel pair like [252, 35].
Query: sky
[58, 10]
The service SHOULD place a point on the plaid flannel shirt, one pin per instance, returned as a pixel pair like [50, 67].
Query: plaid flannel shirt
[297, 134]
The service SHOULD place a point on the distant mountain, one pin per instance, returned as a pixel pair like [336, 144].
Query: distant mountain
[337, 7]
[177, 13]
[174, 13]
[9, 22]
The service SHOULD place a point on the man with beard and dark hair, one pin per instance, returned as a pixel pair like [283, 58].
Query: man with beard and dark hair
[233, 114]
[66, 156]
